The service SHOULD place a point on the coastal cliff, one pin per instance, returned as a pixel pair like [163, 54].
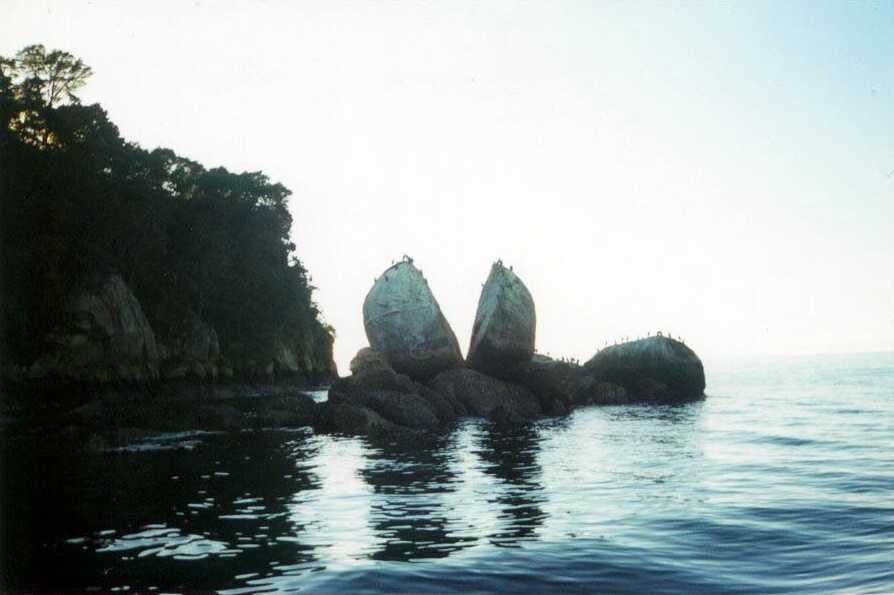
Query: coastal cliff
[106, 337]
[121, 264]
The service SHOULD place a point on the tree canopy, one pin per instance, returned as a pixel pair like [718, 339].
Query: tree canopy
[79, 202]
[54, 76]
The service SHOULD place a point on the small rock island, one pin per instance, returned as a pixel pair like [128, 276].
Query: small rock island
[413, 380]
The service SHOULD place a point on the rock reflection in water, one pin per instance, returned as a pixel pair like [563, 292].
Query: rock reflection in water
[510, 455]
[332, 519]
[608, 497]
[408, 511]
[477, 486]
[262, 507]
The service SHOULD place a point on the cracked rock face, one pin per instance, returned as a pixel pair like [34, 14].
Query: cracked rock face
[505, 324]
[404, 322]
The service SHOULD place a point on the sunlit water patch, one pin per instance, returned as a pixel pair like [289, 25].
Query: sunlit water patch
[780, 481]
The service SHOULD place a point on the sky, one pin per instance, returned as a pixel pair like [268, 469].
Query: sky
[722, 172]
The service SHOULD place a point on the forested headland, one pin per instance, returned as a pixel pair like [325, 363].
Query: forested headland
[125, 263]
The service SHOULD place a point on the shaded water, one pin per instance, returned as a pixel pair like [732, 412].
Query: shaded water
[782, 480]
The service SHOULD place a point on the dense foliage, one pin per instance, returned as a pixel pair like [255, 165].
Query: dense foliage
[79, 202]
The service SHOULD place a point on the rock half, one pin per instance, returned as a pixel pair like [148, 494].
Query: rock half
[404, 322]
[652, 369]
[505, 324]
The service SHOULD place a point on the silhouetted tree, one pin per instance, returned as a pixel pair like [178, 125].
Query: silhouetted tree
[78, 202]
[53, 76]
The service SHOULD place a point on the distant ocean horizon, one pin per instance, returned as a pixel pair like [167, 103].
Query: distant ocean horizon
[780, 481]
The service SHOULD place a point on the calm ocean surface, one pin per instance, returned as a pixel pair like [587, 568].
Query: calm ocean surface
[781, 481]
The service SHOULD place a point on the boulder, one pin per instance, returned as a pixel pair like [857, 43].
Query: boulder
[403, 409]
[395, 398]
[372, 372]
[595, 392]
[368, 360]
[485, 396]
[349, 419]
[563, 385]
[652, 369]
[505, 324]
[555, 383]
[404, 322]
[105, 337]
[279, 411]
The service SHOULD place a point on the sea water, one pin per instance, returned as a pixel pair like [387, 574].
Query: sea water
[782, 480]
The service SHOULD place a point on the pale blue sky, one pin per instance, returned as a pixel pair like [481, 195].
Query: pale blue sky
[720, 171]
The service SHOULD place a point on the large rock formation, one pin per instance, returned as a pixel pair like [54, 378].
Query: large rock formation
[375, 400]
[379, 402]
[653, 369]
[487, 397]
[368, 360]
[404, 322]
[192, 350]
[505, 324]
[562, 385]
[105, 337]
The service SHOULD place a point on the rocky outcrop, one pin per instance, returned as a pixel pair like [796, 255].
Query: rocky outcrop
[191, 351]
[376, 399]
[368, 360]
[117, 417]
[412, 378]
[652, 369]
[343, 418]
[404, 322]
[487, 397]
[553, 382]
[561, 385]
[285, 362]
[105, 337]
[505, 324]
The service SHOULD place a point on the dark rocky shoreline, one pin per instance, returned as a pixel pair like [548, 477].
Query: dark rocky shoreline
[411, 383]
[112, 415]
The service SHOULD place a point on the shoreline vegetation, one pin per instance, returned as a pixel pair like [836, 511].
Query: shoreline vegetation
[127, 265]
[143, 292]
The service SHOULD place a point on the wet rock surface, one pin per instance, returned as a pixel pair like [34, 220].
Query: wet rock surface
[488, 397]
[404, 322]
[561, 385]
[378, 401]
[391, 397]
[652, 369]
[555, 383]
[114, 415]
[505, 324]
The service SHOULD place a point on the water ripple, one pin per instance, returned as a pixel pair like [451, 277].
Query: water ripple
[780, 481]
